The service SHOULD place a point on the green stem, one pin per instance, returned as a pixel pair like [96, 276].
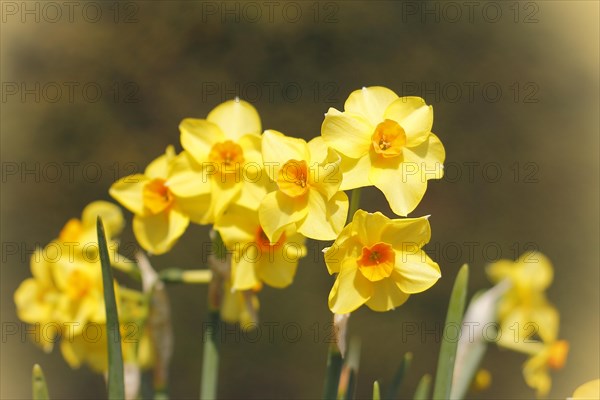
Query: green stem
[40, 390]
[176, 275]
[354, 203]
[334, 369]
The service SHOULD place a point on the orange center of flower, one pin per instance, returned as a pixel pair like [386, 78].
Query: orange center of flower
[388, 139]
[78, 285]
[263, 242]
[293, 178]
[157, 196]
[558, 354]
[377, 262]
[227, 156]
[71, 231]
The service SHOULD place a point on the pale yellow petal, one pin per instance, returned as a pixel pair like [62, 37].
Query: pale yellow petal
[198, 137]
[386, 296]
[276, 269]
[111, 214]
[371, 102]
[159, 167]
[196, 208]
[318, 150]
[236, 118]
[129, 192]
[350, 290]
[589, 390]
[158, 233]
[347, 133]
[369, 226]
[187, 178]
[325, 219]
[355, 172]
[278, 210]
[415, 272]
[407, 234]
[237, 226]
[277, 149]
[224, 189]
[534, 271]
[415, 117]
[244, 269]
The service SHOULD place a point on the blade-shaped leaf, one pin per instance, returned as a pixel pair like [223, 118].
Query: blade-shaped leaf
[116, 380]
[399, 376]
[40, 390]
[376, 393]
[334, 370]
[423, 388]
[456, 307]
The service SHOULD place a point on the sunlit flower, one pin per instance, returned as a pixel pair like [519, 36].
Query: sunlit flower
[386, 141]
[524, 308]
[160, 215]
[255, 259]
[221, 158]
[307, 196]
[379, 262]
[83, 231]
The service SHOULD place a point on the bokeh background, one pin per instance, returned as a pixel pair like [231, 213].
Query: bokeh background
[514, 88]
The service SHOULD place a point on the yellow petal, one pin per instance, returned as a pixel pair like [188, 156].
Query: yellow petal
[371, 102]
[40, 268]
[198, 136]
[345, 247]
[129, 191]
[369, 226]
[253, 191]
[251, 145]
[277, 149]
[324, 219]
[224, 189]
[159, 167]
[111, 215]
[347, 133]
[536, 375]
[387, 295]
[500, 270]
[589, 390]
[326, 178]
[404, 184]
[237, 226]
[236, 118]
[534, 271]
[277, 211]
[355, 172]
[415, 272]
[350, 290]
[158, 233]
[243, 270]
[318, 150]
[276, 269]
[196, 208]
[187, 178]
[415, 117]
[407, 234]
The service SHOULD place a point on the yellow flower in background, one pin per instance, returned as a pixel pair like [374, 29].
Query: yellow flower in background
[589, 390]
[240, 306]
[221, 158]
[524, 307]
[307, 198]
[379, 262]
[160, 215]
[386, 141]
[83, 231]
[256, 260]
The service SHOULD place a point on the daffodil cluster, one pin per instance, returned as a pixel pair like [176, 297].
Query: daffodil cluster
[525, 311]
[64, 301]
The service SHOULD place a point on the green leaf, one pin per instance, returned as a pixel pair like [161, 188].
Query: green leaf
[354, 203]
[423, 388]
[456, 307]
[332, 376]
[40, 390]
[210, 358]
[376, 394]
[115, 381]
[399, 376]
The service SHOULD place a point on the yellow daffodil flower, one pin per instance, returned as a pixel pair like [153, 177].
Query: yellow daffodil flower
[83, 231]
[524, 307]
[589, 390]
[221, 158]
[255, 259]
[240, 306]
[161, 216]
[307, 196]
[386, 141]
[379, 262]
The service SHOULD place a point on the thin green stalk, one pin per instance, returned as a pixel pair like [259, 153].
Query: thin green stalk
[38, 381]
[376, 391]
[354, 203]
[456, 308]
[332, 376]
[394, 390]
[115, 380]
[423, 388]
[176, 275]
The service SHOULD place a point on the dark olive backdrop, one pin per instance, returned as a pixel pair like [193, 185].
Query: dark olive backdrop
[514, 88]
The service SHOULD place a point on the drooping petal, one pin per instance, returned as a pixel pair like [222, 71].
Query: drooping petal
[277, 149]
[187, 178]
[415, 272]
[415, 117]
[370, 102]
[244, 268]
[350, 290]
[236, 118]
[387, 295]
[355, 172]
[407, 234]
[129, 191]
[198, 137]
[275, 269]
[278, 210]
[347, 133]
[158, 233]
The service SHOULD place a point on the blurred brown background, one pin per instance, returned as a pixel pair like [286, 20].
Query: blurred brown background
[514, 88]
